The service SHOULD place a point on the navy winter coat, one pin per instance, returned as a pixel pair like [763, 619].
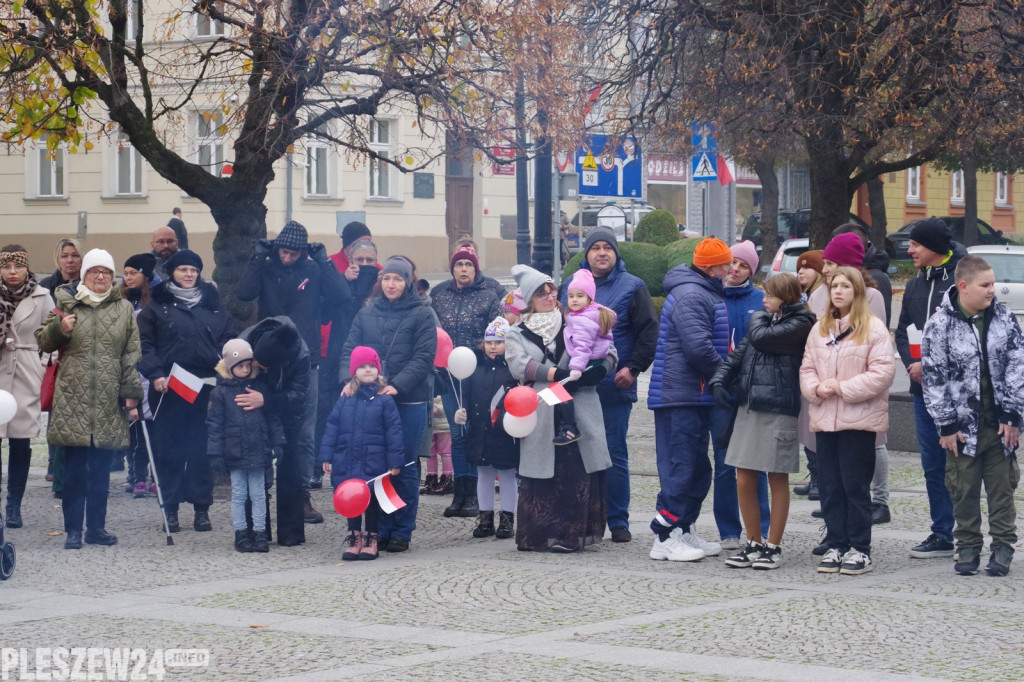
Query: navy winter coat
[405, 337]
[486, 444]
[766, 366]
[363, 438]
[465, 313]
[741, 303]
[693, 339]
[244, 438]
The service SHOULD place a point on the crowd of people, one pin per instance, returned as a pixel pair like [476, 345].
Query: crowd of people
[343, 376]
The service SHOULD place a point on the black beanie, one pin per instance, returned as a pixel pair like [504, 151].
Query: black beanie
[292, 236]
[353, 231]
[144, 263]
[276, 347]
[183, 257]
[933, 234]
[600, 234]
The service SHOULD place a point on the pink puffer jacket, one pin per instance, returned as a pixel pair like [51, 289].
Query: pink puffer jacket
[865, 372]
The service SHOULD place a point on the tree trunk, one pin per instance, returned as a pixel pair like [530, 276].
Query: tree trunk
[876, 202]
[241, 222]
[765, 169]
[830, 183]
[970, 168]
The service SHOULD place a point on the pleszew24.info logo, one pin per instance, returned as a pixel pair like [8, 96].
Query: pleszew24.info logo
[96, 663]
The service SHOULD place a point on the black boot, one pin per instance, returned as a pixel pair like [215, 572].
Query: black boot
[469, 501]
[506, 525]
[243, 541]
[806, 488]
[812, 493]
[458, 498]
[484, 525]
[261, 541]
[202, 521]
[172, 522]
[13, 512]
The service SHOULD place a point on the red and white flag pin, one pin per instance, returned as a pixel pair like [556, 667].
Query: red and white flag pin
[184, 383]
[554, 394]
[387, 497]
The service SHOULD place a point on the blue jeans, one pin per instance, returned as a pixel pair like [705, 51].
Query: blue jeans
[933, 461]
[246, 484]
[616, 424]
[407, 482]
[461, 467]
[684, 470]
[726, 502]
[86, 483]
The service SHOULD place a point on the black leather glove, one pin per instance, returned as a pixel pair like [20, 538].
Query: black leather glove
[722, 397]
[593, 375]
[561, 374]
[318, 252]
[262, 249]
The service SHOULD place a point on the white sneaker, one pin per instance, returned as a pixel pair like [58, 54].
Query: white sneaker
[691, 539]
[731, 544]
[673, 550]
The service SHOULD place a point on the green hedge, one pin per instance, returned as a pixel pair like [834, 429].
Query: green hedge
[657, 227]
[646, 261]
[681, 252]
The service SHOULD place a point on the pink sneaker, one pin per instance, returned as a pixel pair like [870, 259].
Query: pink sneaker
[152, 489]
[139, 491]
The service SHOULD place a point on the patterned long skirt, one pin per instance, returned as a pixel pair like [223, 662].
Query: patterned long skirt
[567, 510]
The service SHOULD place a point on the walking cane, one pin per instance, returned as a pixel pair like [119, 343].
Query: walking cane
[156, 479]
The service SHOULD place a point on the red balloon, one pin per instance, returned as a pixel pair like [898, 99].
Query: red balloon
[521, 401]
[444, 348]
[351, 498]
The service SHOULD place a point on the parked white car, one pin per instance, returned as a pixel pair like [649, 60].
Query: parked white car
[1008, 263]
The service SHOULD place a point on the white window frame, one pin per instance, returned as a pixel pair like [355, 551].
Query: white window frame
[132, 11]
[204, 26]
[318, 156]
[376, 169]
[208, 137]
[56, 170]
[956, 187]
[136, 169]
[1002, 189]
[914, 184]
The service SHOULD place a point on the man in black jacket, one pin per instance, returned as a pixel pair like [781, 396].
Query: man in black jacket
[936, 254]
[294, 278]
[278, 349]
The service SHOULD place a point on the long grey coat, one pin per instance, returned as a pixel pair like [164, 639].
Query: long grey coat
[536, 451]
[21, 370]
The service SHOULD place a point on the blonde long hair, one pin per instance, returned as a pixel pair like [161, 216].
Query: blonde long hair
[860, 314]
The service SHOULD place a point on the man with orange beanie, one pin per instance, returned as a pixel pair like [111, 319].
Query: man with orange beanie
[693, 338]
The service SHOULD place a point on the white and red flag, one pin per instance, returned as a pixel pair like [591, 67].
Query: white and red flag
[387, 497]
[554, 394]
[725, 174]
[184, 383]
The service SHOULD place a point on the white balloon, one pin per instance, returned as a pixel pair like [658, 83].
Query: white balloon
[519, 427]
[462, 362]
[8, 406]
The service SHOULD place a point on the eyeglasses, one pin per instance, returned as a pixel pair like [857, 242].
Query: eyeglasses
[368, 260]
[94, 272]
[186, 270]
[547, 294]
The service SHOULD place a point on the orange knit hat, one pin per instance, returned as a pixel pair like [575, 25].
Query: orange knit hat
[710, 252]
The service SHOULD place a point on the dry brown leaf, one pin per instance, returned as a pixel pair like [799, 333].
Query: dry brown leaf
[258, 625]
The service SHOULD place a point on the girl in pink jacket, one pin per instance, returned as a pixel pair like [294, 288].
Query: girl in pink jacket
[587, 336]
[845, 376]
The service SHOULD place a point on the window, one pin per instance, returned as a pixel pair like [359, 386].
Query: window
[51, 172]
[210, 141]
[207, 27]
[1002, 189]
[956, 192]
[133, 10]
[380, 172]
[914, 184]
[317, 171]
[129, 167]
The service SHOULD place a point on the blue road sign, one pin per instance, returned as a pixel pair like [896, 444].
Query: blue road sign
[610, 173]
[705, 167]
[704, 138]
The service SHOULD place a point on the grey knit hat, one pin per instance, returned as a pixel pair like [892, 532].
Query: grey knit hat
[293, 236]
[235, 352]
[529, 280]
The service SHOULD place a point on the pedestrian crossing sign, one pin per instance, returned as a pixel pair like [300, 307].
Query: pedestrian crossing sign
[704, 167]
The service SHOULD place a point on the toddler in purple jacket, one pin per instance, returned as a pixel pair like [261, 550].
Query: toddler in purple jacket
[587, 335]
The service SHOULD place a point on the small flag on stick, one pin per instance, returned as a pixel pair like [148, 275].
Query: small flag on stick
[184, 383]
[554, 394]
[387, 498]
[914, 336]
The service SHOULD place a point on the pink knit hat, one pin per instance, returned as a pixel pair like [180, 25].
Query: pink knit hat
[746, 252]
[513, 302]
[845, 249]
[363, 355]
[584, 281]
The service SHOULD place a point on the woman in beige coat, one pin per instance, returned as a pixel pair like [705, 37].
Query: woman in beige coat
[23, 307]
[845, 376]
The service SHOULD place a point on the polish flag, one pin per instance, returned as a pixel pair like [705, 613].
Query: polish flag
[724, 171]
[554, 394]
[184, 383]
[387, 498]
[914, 336]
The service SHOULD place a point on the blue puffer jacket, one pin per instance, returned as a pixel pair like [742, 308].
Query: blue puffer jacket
[741, 302]
[693, 338]
[363, 437]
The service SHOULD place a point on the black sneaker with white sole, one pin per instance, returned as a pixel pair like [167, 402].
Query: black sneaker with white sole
[856, 563]
[771, 557]
[746, 556]
[932, 548]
